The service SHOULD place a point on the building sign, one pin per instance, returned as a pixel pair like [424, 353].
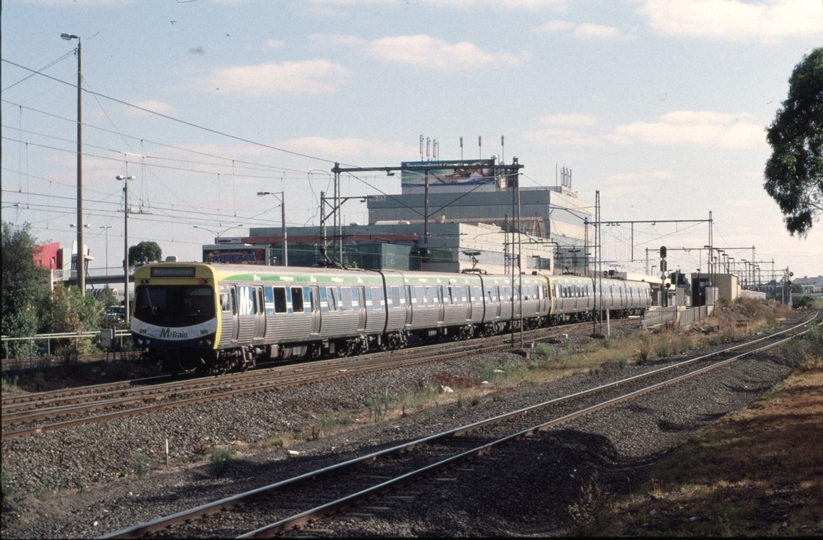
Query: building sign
[448, 173]
[228, 240]
[236, 255]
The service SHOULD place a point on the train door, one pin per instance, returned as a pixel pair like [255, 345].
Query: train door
[235, 315]
[541, 299]
[406, 299]
[259, 315]
[466, 292]
[443, 296]
[361, 301]
[313, 301]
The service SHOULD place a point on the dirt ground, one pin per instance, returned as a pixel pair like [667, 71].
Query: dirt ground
[758, 471]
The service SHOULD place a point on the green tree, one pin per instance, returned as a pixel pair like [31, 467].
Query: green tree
[24, 286]
[794, 172]
[70, 312]
[143, 253]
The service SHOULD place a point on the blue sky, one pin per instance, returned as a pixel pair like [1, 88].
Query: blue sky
[660, 105]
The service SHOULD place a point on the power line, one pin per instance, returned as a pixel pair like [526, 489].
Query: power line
[177, 120]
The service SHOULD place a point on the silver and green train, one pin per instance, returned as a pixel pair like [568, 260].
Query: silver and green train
[214, 318]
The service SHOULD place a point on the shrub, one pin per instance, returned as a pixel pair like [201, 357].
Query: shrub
[591, 514]
[544, 350]
[140, 465]
[8, 483]
[642, 355]
[379, 405]
[220, 459]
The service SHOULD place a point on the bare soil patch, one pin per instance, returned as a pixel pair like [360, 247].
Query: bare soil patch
[758, 471]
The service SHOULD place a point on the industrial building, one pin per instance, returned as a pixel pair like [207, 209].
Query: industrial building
[472, 222]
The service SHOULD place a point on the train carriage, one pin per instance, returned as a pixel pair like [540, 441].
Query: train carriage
[213, 318]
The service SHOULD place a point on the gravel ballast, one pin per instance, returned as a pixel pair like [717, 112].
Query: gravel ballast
[524, 488]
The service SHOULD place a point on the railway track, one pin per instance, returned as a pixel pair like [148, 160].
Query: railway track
[29, 414]
[295, 503]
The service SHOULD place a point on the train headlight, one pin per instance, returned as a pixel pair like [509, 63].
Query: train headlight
[139, 341]
[208, 342]
[148, 341]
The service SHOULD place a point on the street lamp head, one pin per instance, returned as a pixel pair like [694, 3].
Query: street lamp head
[120, 177]
[261, 193]
[69, 37]
[85, 225]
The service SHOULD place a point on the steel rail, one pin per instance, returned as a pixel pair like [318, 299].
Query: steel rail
[275, 379]
[216, 506]
[295, 521]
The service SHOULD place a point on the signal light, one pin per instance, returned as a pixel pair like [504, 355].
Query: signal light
[789, 283]
[791, 274]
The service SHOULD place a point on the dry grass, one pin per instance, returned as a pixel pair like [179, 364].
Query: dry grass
[757, 471]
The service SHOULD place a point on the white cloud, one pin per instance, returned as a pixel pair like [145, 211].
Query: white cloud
[350, 146]
[599, 31]
[154, 106]
[273, 43]
[766, 21]
[291, 78]
[699, 128]
[556, 25]
[338, 39]
[431, 54]
[585, 31]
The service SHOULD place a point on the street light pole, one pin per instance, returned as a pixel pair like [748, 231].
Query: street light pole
[282, 221]
[125, 180]
[107, 227]
[81, 250]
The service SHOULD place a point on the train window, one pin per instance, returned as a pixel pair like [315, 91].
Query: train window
[395, 297]
[252, 305]
[431, 296]
[377, 297]
[198, 301]
[308, 300]
[314, 301]
[225, 301]
[296, 300]
[421, 296]
[345, 298]
[355, 299]
[269, 300]
[280, 305]
[331, 298]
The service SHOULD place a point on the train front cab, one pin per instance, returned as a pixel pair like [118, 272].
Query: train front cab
[175, 314]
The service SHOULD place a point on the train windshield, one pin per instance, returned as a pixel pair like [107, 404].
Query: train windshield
[174, 305]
